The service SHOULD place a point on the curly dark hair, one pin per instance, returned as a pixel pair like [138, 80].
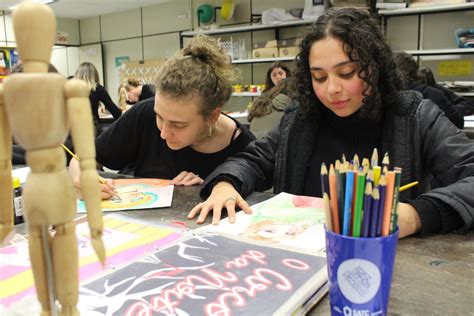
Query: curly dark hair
[364, 44]
[407, 67]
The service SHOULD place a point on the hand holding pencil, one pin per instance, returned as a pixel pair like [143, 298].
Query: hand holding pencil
[107, 186]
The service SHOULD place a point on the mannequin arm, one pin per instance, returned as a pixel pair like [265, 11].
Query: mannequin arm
[6, 189]
[80, 117]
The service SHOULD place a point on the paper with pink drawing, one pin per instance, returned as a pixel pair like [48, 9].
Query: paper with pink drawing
[136, 194]
[125, 240]
[286, 219]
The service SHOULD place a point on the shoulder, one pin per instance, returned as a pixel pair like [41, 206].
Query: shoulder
[409, 101]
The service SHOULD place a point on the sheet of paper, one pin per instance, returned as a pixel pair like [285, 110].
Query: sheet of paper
[136, 194]
[21, 173]
[286, 219]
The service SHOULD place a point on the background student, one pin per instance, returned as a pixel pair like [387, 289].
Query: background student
[275, 73]
[181, 134]
[267, 109]
[136, 91]
[87, 72]
[452, 105]
[349, 102]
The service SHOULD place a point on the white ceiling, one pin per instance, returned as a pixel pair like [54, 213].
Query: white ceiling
[78, 9]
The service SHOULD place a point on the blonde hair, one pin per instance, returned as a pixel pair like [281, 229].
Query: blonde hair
[201, 68]
[87, 72]
[122, 100]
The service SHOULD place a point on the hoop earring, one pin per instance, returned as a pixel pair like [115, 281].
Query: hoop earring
[212, 129]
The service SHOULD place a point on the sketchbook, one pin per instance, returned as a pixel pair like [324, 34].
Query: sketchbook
[136, 194]
[210, 274]
[285, 219]
[125, 239]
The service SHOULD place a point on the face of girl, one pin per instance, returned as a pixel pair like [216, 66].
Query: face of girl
[179, 121]
[277, 75]
[334, 77]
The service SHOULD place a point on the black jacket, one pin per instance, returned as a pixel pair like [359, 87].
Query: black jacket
[417, 135]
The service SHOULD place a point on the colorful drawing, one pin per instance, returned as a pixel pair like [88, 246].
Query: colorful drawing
[124, 239]
[285, 219]
[135, 194]
[208, 274]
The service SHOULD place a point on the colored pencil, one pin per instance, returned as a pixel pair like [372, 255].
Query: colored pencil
[408, 186]
[377, 173]
[374, 160]
[388, 203]
[385, 160]
[101, 180]
[359, 202]
[340, 185]
[348, 202]
[396, 194]
[367, 215]
[374, 220]
[382, 189]
[327, 212]
[324, 179]
[333, 200]
[355, 162]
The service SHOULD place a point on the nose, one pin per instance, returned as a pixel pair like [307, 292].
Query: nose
[164, 131]
[334, 85]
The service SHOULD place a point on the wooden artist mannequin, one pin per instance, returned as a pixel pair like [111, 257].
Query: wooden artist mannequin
[40, 108]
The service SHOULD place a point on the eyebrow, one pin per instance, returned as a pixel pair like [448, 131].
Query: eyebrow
[335, 66]
[174, 122]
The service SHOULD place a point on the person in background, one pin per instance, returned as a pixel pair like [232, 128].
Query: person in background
[180, 134]
[422, 80]
[275, 73]
[136, 91]
[348, 100]
[267, 110]
[87, 72]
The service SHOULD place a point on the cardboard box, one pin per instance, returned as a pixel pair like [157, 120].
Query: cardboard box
[295, 41]
[273, 43]
[290, 51]
[267, 52]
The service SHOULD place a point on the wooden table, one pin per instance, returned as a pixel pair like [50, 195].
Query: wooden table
[433, 275]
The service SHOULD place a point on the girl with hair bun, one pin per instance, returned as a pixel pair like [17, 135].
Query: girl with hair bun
[180, 134]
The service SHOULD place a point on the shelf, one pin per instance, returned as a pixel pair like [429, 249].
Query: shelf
[262, 60]
[246, 28]
[465, 94]
[246, 94]
[428, 9]
[422, 52]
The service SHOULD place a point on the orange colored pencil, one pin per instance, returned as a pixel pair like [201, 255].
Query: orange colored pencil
[388, 203]
[333, 200]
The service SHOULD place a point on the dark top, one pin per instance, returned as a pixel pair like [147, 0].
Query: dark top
[349, 135]
[148, 91]
[438, 96]
[416, 134]
[135, 140]
[100, 94]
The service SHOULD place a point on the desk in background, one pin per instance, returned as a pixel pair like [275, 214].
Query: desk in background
[433, 275]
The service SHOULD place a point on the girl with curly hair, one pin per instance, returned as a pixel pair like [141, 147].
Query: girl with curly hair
[348, 101]
[180, 134]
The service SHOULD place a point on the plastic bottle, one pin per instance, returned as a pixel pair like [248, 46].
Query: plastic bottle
[17, 202]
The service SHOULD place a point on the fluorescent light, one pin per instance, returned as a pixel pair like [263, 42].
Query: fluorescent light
[39, 1]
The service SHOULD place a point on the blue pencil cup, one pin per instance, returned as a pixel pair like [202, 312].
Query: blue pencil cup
[360, 273]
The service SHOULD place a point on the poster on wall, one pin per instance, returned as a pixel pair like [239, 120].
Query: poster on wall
[8, 59]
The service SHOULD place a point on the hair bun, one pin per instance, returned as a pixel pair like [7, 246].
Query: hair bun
[197, 51]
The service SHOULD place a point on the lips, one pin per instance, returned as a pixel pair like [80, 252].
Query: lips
[338, 104]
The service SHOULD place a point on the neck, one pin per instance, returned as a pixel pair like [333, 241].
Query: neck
[207, 138]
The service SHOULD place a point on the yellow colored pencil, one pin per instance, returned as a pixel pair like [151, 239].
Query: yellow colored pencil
[101, 180]
[408, 186]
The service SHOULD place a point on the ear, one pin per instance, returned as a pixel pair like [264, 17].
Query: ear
[214, 116]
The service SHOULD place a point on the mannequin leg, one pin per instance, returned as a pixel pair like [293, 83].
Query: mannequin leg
[38, 266]
[66, 264]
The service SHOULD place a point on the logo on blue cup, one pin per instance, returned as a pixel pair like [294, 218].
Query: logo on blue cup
[359, 280]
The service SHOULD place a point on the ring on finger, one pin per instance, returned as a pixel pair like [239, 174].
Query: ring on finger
[230, 198]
